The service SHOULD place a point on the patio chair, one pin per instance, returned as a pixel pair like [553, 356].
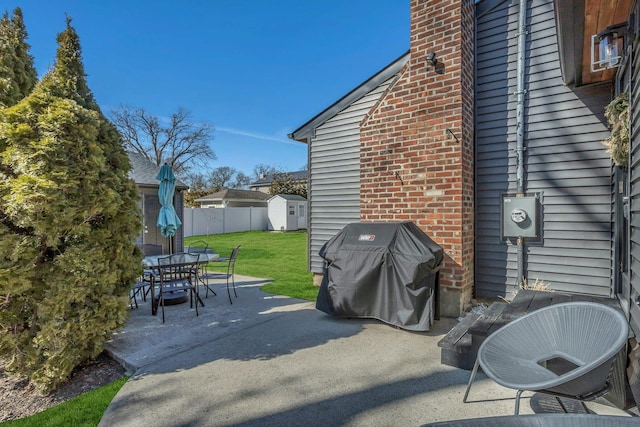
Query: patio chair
[198, 247]
[229, 275]
[564, 350]
[141, 287]
[201, 247]
[176, 273]
[148, 249]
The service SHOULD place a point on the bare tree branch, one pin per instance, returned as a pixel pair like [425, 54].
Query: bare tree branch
[262, 170]
[221, 177]
[181, 142]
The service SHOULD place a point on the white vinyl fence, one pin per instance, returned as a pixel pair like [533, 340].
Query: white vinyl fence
[203, 221]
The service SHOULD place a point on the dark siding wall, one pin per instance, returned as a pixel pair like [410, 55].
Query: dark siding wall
[178, 239]
[564, 160]
[634, 193]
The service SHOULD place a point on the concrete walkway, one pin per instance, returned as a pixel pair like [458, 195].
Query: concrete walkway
[275, 361]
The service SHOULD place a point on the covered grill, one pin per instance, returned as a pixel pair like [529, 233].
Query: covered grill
[386, 271]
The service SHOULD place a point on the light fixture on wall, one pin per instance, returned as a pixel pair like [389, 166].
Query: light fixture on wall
[433, 64]
[431, 59]
[606, 48]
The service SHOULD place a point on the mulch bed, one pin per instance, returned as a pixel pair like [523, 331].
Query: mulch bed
[19, 398]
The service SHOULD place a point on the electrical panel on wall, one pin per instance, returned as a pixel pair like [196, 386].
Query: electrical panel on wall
[520, 216]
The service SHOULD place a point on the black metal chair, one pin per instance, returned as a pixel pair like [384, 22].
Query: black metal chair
[229, 275]
[175, 273]
[138, 288]
[149, 249]
[197, 247]
[142, 286]
[201, 247]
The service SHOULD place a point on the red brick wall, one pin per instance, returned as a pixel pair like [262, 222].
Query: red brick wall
[412, 167]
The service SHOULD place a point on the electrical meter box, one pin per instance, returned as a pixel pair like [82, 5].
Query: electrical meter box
[520, 216]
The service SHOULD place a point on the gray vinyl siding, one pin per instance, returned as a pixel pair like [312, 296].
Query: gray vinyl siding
[634, 191]
[334, 179]
[564, 159]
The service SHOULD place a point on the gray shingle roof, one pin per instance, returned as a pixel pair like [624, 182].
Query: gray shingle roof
[231, 194]
[293, 197]
[144, 172]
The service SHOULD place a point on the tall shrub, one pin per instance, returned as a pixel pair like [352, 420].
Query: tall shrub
[17, 73]
[68, 218]
[286, 183]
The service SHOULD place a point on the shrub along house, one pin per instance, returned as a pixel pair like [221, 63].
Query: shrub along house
[488, 135]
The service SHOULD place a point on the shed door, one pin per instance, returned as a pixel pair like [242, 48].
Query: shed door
[302, 216]
[292, 217]
[151, 232]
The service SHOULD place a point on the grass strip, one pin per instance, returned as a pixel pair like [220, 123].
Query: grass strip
[82, 411]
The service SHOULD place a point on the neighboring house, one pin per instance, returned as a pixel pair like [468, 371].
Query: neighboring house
[144, 173]
[230, 198]
[456, 140]
[264, 183]
[287, 212]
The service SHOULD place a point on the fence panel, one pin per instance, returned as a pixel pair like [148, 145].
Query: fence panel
[203, 221]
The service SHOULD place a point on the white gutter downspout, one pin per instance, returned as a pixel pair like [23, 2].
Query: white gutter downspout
[520, 147]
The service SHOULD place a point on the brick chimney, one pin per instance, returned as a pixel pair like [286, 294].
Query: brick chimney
[416, 143]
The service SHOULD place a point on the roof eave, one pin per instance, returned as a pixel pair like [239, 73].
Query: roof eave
[570, 29]
[305, 132]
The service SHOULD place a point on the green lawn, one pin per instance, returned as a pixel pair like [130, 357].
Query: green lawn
[278, 256]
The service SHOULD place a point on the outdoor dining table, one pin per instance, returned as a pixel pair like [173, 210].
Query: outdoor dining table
[151, 262]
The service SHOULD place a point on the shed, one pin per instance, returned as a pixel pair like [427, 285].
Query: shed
[144, 173]
[287, 212]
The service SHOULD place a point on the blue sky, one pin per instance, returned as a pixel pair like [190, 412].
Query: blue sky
[255, 69]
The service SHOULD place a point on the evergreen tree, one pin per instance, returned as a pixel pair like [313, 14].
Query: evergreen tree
[285, 183]
[17, 73]
[68, 217]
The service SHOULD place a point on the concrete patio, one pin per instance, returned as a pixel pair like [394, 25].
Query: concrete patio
[269, 360]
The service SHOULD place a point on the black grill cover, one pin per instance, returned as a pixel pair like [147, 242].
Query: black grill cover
[386, 271]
